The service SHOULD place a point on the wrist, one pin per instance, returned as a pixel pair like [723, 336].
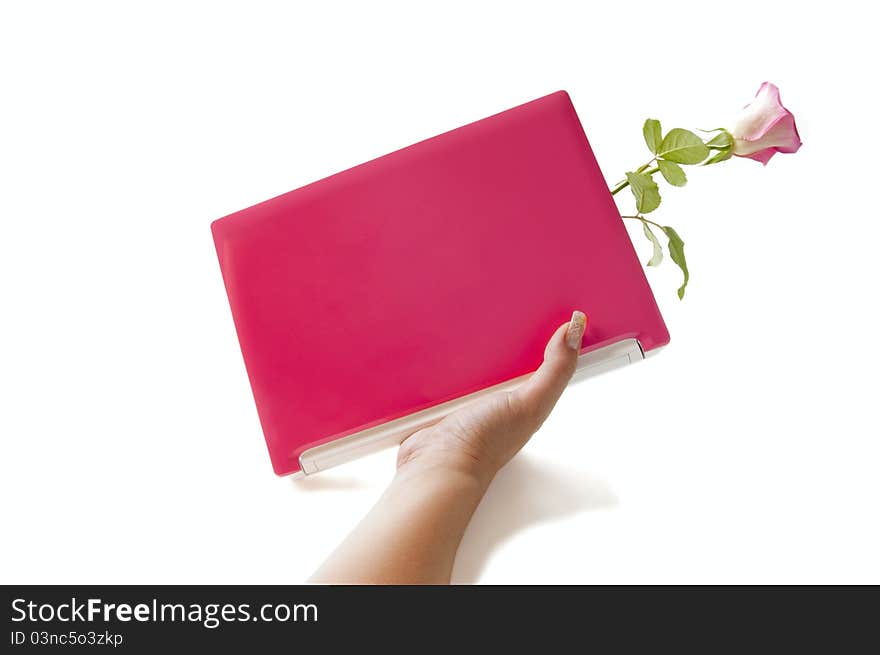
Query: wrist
[448, 469]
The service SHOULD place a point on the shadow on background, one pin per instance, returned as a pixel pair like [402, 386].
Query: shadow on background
[526, 492]
[329, 482]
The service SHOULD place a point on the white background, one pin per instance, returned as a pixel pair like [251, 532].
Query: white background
[131, 451]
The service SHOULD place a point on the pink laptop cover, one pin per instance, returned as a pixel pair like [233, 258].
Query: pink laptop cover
[427, 274]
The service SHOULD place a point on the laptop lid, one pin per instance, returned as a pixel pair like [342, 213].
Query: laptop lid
[426, 275]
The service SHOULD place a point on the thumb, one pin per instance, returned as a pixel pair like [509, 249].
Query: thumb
[539, 394]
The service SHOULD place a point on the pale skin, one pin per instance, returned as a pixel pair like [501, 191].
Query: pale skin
[413, 532]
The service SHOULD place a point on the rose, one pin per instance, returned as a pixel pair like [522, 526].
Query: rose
[765, 127]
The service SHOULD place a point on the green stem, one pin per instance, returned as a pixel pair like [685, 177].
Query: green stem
[641, 169]
[645, 220]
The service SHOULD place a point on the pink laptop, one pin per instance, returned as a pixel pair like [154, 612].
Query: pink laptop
[375, 301]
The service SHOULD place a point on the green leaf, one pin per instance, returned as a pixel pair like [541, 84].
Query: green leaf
[657, 257]
[683, 147]
[676, 252]
[672, 173]
[653, 134]
[721, 155]
[644, 188]
[721, 141]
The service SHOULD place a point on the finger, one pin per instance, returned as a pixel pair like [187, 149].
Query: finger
[539, 394]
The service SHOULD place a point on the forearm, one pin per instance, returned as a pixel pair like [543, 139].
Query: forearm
[412, 533]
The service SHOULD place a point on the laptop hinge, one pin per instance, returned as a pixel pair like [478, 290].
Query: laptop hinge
[392, 433]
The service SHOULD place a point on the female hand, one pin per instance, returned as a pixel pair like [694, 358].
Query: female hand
[481, 438]
[413, 532]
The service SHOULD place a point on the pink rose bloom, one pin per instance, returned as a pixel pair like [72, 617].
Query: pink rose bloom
[765, 127]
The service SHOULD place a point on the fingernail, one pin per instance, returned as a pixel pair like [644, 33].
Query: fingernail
[575, 334]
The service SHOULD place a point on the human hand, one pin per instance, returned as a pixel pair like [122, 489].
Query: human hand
[413, 532]
[481, 438]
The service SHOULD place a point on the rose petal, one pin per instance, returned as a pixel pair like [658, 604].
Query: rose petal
[760, 114]
[781, 137]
